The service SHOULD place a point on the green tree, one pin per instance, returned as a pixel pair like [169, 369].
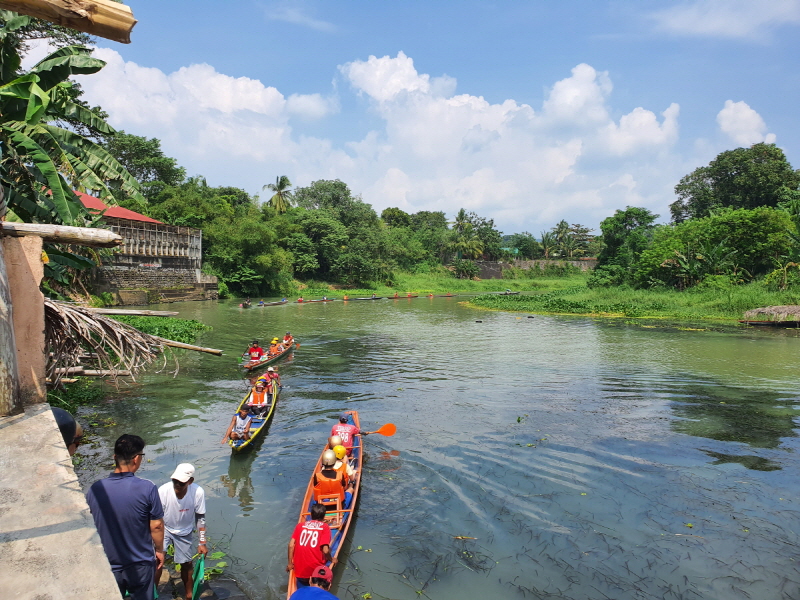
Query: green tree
[394, 217]
[738, 243]
[281, 199]
[549, 244]
[145, 160]
[740, 178]
[526, 244]
[625, 236]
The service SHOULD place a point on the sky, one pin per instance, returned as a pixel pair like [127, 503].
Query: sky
[526, 112]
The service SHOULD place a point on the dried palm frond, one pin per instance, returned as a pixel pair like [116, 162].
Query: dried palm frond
[72, 332]
[789, 312]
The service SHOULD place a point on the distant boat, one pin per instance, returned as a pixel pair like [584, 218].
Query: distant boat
[277, 303]
[507, 293]
[320, 300]
[795, 324]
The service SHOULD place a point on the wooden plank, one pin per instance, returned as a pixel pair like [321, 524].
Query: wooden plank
[104, 18]
[175, 344]
[84, 236]
[143, 313]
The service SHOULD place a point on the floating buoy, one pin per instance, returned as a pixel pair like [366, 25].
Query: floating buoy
[479, 321]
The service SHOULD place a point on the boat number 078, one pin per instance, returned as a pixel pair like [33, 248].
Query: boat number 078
[309, 538]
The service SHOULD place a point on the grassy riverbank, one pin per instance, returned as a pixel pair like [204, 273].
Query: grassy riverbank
[695, 304]
[570, 295]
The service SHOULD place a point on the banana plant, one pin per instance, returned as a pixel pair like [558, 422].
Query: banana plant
[43, 162]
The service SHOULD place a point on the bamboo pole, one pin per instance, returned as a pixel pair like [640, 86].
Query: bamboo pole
[175, 344]
[84, 236]
[10, 401]
[104, 18]
[143, 313]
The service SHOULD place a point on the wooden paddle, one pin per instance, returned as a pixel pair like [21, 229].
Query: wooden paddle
[388, 430]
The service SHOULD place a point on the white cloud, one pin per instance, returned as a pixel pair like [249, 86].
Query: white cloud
[432, 149]
[293, 14]
[743, 125]
[752, 19]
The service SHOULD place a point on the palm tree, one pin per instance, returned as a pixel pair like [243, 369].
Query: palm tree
[549, 243]
[282, 199]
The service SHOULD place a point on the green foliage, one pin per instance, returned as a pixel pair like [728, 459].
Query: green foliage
[281, 200]
[625, 235]
[145, 160]
[744, 178]
[465, 269]
[83, 392]
[179, 330]
[553, 269]
[394, 217]
[527, 245]
[607, 276]
[739, 243]
[222, 290]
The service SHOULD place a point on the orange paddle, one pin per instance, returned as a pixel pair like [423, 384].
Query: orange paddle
[388, 430]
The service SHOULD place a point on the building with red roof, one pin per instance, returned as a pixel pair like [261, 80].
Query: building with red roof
[155, 260]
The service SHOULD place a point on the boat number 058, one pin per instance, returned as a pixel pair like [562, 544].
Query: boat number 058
[309, 538]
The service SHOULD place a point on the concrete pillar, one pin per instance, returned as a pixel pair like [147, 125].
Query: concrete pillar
[23, 257]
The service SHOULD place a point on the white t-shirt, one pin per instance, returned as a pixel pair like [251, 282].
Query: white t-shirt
[179, 514]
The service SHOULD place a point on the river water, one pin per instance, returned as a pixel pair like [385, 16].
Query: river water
[546, 457]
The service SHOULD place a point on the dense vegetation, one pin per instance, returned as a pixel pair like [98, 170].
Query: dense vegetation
[179, 330]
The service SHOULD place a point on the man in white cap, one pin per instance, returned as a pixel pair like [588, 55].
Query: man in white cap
[184, 507]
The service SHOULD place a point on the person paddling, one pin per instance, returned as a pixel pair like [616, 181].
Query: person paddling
[255, 352]
[347, 432]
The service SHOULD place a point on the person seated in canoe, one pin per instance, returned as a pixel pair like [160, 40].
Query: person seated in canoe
[260, 398]
[396, 295]
[287, 339]
[409, 294]
[329, 482]
[239, 429]
[300, 299]
[345, 297]
[273, 347]
[324, 297]
[309, 546]
[261, 302]
[347, 432]
[270, 376]
[374, 296]
[254, 352]
[342, 464]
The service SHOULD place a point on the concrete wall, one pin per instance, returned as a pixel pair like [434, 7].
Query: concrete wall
[49, 547]
[23, 257]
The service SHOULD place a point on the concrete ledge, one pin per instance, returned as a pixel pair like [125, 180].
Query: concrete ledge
[49, 547]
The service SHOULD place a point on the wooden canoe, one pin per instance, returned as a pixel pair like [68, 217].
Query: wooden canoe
[338, 530]
[375, 298]
[259, 423]
[265, 360]
[507, 293]
[276, 303]
[320, 300]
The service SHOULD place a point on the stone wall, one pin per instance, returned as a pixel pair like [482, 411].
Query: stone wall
[150, 285]
[494, 270]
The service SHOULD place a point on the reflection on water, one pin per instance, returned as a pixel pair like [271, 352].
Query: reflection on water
[756, 417]
[534, 458]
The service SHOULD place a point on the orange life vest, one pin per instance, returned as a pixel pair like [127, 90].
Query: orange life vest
[258, 398]
[326, 487]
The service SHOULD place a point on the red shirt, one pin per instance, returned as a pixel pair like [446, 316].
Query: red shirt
[256, 353]
[309, 538]
[346, 432]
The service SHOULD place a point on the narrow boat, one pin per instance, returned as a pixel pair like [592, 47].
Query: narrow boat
[338, 519]
[265, 360]
[507, 293]
[370, 298]
[277, 303]
[406, 296]
[320, 300]
[259, 423]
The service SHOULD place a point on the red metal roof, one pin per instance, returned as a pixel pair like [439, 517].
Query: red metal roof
[95, 204]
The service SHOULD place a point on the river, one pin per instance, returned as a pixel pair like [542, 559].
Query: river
[546, 457]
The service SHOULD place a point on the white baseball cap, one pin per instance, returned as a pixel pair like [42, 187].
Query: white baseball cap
[183, 473]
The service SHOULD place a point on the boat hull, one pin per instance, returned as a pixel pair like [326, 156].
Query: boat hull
[254, 364]
[259, 424]
[338, 534]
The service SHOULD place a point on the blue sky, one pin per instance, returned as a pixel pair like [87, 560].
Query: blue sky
[526, 112]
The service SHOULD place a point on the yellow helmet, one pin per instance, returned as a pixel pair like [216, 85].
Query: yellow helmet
[340, 452]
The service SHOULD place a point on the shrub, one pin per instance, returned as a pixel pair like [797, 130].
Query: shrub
[606, 276]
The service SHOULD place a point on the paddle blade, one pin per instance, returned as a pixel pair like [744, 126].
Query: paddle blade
[388, 430]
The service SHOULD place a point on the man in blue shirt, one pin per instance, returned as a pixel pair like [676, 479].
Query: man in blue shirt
[320, 583]
[130, 520]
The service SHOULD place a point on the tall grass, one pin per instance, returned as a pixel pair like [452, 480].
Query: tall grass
[692, 304]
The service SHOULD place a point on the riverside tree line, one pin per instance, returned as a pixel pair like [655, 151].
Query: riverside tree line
[735, 220]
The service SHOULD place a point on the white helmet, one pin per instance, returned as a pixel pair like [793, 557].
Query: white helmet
[328, 458]
[335, 441]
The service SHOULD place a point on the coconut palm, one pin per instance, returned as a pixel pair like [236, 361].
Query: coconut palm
[549, 243]
[282, 198]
